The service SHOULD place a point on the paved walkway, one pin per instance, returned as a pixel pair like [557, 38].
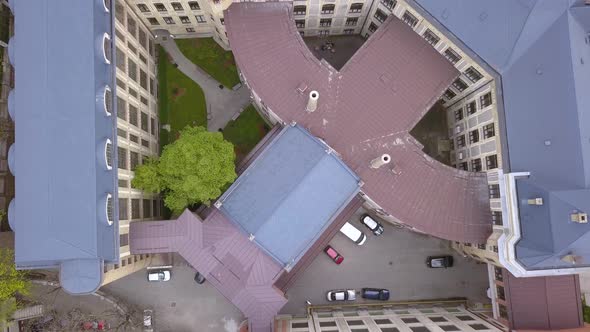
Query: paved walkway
[222, 104]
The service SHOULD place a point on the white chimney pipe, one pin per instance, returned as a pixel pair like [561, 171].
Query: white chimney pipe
[378, 162]
[312, 103]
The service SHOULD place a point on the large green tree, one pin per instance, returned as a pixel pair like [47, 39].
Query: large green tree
[196, 168]
[12, 281]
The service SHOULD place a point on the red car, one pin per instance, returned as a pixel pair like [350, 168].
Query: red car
[336, 257]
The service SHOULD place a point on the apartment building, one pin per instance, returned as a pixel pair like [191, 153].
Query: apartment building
[137, 130]
[6, 124]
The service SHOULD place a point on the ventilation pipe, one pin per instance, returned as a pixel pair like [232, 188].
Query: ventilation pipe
[312, 103]
[382, 160]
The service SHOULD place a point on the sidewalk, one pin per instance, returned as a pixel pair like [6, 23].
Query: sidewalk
[222, 104]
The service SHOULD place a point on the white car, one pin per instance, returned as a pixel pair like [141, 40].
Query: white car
[147, 320]
[341, 295]
[353, 233]
[372, 224]
[159, 275]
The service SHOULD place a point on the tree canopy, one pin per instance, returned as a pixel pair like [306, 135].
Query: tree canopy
[12, 281]
[196, 168]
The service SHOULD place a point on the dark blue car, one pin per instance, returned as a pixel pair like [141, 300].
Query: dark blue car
[375, 294]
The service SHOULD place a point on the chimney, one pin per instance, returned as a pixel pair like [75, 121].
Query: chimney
[535, 201]
[378, 162]
[312, 103]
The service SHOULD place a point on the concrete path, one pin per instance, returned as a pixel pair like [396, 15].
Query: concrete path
[222, 104]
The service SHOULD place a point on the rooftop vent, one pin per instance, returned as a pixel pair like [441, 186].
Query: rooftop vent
[312, 102]
[382, 160]
[535, 201]
[581, 218]
[572, 259]
[301, 88]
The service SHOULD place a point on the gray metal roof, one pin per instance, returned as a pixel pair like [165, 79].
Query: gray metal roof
[59, 214]
[541, 49]
[290, 194]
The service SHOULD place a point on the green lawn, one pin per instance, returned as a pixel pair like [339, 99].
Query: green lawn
[586, 312]
[182, 101]
[207, 54]
[246, 131]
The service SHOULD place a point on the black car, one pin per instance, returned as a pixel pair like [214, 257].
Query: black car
[439, 261]
[375, 294]
[372, 224]
[199, 278]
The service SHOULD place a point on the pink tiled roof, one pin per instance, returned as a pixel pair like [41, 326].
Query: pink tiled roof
[365, 110]
[240, 270]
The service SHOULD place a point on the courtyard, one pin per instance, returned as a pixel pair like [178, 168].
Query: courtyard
[341, 49]
[395, 261]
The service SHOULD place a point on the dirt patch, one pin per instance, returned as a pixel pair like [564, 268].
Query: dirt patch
[262, 129]
[177, 92]
[228, 64]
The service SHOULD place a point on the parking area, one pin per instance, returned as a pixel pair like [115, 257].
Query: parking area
[396, 261]
[180, 305]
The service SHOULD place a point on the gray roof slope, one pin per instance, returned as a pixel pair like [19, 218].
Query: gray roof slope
[290, 194]
[61, 128]
[365, 110]
[545, 77]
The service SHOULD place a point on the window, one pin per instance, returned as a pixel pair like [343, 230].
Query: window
[430, 37]
[131, 47]
[153, 21]
[488, 131]
[476, 165]
[452, 56]
[471, 107]
[462, 166]
[142, 38]
[123, 183]
[449, 328]
[410, 320]
[121, 133]
[467, 244]
[473, 75]
[194, 5]
[200, 19]
[355, 322]
[121, 108]
[185, 19]
[459, 114]
[147, 208]
[300, 24]
[479, 327]
[495, 249]
[132, 69]
[133, 160]
[121, 60]
[145, 143]
[143, 80]
[160, 7]
[380, 16]
[119, 12]
[494, 190]
[119, 35]
[461, 141]
[144, 122]
[449, 94]
[143, 8]
[132, 26]
[124, 239]
[121, 84]
[485, 100]
[474, 136]
[389, 4]
[348, 31]
[500, 292]
[328, 9]
[492, 161]
[410, 19]
[133, 115]
[351, 21]
[122, 157]
[460, 85]
[324, 32]
[155, 208]
[498, 274]
[177, 6]
[299, 325]
[325, 22]
[503, 311]
[134, 138]
[302, 33]
[168, 20]
[438, 319]
[190, 29]
[419, 329]
[497, 218]
[142, 58]
[356, 8]
[135, 208]
[481, 246]
[222, 21]
[299, 10]
[372, 26]
[123, 209]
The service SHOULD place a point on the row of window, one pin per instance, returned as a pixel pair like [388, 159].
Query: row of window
[133, 28]
[183, 20]
[135, 158]
[176, 6]
[477, 166]
[136, 117]
[413, 324]
[125, 261]
[327, 9]
[471, 107]
[474, 136]
[327, 22]
[140, 208]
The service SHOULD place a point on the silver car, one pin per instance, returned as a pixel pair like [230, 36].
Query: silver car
[341, 295]
[148, 323]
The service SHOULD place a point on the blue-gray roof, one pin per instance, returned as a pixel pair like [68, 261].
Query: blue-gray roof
[541, 49]
[59, 214]
[290, 194]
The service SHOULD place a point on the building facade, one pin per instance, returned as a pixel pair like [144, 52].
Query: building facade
[137, 130]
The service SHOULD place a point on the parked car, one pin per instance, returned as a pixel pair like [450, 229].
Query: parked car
[375, 294]
[148, 324]
[199, 278]
[372, 224]
[332, 253]
[353, 233]
[158, 275]
[439, 261]
[341, 295]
